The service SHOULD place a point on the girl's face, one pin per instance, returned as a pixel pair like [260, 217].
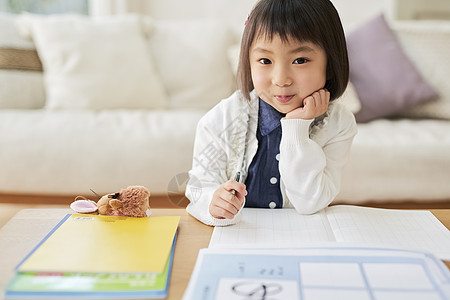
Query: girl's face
[285, 73]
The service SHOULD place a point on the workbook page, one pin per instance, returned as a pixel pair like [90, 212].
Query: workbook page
[273, 228]
[320, 273]
[409, 229]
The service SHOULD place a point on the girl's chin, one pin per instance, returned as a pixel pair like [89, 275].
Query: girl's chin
[287, 104]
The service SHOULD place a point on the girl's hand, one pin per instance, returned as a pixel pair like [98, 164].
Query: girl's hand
[225, 205]
[313, 106]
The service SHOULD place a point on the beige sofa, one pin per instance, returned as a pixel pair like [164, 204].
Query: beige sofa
[128, 114]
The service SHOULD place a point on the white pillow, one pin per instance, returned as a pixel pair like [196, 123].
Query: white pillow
[427, 44]
[19, 87]
[101, 63]
[191, 58]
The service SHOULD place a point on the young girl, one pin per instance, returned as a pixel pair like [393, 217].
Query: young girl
[281, 140]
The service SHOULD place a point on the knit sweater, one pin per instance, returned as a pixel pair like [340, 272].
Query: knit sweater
[312, 155]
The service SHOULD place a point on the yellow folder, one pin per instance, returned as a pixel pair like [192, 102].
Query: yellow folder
[95, 243]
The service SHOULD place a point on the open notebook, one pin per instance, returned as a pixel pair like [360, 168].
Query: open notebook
[285, 228]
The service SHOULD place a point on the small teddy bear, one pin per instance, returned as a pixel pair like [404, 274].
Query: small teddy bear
[134, 201]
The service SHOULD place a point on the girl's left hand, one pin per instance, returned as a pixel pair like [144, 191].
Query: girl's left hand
[313, 106]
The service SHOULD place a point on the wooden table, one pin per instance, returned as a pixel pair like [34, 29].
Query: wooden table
[29, 226]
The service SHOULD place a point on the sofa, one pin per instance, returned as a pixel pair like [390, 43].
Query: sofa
[103, 103]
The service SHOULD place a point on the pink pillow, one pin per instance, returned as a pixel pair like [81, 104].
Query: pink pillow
[384, 78]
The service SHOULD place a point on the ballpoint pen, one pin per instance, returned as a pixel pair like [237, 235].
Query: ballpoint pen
[238, 179]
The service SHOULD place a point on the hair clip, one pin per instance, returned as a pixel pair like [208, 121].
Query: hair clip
[246, 20]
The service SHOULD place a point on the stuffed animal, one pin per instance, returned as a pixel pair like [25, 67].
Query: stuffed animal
[131, 202]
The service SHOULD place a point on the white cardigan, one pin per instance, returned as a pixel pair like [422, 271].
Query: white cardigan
[312, 155]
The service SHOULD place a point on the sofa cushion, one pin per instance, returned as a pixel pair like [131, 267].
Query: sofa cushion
[428, 44]
[400, 159]
[21, 78]
[385, 80]
[71, 151]
[100, 63]
[191, 58]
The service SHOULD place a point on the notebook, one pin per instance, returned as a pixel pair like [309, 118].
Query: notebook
[408, 229]
[94, 256]
[98, 243]
[56, 285]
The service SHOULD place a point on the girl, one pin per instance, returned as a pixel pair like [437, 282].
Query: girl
[281, 133]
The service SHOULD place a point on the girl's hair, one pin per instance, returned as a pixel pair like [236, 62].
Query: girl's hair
[315, 21]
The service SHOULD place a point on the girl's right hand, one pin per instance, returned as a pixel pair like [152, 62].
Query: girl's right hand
[225, 205]
[313, 106]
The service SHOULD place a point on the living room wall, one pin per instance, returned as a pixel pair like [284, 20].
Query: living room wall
[231, 11]
[234, 12]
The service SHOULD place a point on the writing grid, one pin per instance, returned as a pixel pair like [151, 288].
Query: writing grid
[273, 227]
[367, 278]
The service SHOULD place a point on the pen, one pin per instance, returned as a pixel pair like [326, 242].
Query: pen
[238, 179]
[238, 176]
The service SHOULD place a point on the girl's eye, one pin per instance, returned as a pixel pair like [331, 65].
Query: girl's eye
[265, 61]
[300, 61]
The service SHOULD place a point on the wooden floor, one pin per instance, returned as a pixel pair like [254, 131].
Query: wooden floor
[10, 204]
